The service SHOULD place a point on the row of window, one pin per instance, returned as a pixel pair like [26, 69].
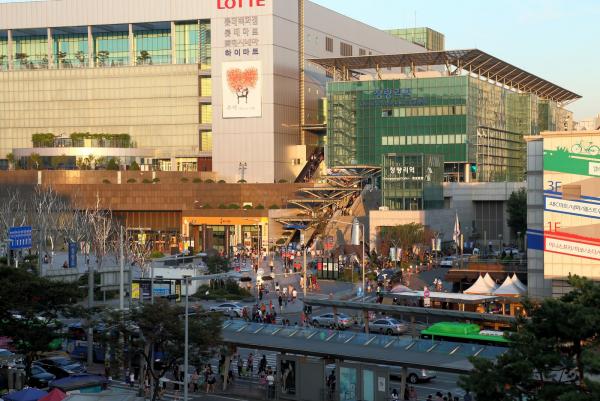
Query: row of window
[345, 48]
[424, 111]
[192, 45]
[423, 140]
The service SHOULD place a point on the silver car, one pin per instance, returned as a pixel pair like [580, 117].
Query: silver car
[338, 320]
[229, 309]
[413, 376]
[388, 326]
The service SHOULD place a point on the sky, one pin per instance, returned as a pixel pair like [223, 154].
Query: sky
[554, 39]
[557, 40]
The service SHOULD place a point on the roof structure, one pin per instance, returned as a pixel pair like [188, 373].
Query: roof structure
[480, 287]
[473, 61]
[518, 283]
[378, 349]
[509, 289]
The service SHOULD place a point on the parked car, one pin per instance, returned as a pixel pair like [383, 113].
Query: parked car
[40, 377]
[448, 261]
[388, 326]
[229, 309]
[414, 376]
[61, 366]
[338, 320]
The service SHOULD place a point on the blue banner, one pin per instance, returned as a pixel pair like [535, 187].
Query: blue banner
[19, 237]
[72, 255]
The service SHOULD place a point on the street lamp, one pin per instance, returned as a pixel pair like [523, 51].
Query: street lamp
[358, 228]
[186, 339]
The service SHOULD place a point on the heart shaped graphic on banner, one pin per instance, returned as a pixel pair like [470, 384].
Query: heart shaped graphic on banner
[239, 80]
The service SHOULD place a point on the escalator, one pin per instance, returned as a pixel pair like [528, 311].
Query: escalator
[312, 165]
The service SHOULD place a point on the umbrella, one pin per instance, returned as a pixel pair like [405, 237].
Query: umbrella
[245, 279]
[267, 278]
[54, 395]
[29, 394]
[401, 288]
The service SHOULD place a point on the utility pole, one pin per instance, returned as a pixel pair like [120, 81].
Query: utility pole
[121, 270]
[186, 341]
[90, 340]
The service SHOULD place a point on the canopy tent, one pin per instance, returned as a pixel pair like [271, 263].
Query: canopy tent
[480, 287]
[54, 395]
[28, 394]
[509, 289]
[490, 281]
[519, 283]
[400, 288]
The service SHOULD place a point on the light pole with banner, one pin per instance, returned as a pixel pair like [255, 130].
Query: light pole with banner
[358, 231]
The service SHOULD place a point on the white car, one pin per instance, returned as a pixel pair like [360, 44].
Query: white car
[341, 321]
[388, 326]
[229, 309]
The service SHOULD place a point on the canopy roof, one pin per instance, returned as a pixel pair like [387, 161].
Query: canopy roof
[28, 394]
[471, 60]
[490, 281]
[519, 283]
[480, 287]
[508, 288]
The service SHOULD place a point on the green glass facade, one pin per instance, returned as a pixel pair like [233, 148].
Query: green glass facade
[70, 50]
[3, 54]
[193, 43]
[426, 37]
[30, 52]
[152, 46]
[412, 181]
[474, 126]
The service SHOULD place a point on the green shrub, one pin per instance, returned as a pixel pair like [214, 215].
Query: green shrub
[197, 180]
[157, 254]
[242, 181]
[233, 206]
[147, 181]
[106, 181]
[184, 179]
[156, 179]
[247, 207]
[113, 164]
[222, 182]
[209, 181]
[282, 181]
[207, 206]
[222, 206]
[131, 181]
[273, 207]
[259, 206]
[134, 166]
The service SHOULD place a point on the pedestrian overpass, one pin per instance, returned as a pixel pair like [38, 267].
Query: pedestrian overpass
[362, 362]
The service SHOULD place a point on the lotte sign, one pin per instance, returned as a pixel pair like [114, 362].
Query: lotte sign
[233, 4]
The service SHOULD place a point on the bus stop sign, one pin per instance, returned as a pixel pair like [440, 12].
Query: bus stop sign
[19, 237]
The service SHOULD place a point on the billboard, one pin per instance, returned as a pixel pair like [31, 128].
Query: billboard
[571, 205]
[242, 89]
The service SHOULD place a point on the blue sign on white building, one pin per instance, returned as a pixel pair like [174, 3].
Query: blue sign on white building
[19, 237]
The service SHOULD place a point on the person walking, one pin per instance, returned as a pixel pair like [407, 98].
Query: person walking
[240, 365]
[262, 366]
[250, 364]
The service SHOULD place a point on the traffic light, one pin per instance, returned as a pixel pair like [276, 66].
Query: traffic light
[473, 168]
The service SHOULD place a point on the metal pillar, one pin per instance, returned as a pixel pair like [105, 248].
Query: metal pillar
[186, 342]
[121, 271]
[50, 56]
[173, 43]
[90, 339]
[131, 46]
[90, 51]
[10, 50]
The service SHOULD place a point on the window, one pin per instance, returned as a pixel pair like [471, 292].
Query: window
[362, 52]
[345, 49]
[205, 114]
[205, 87]
[329, 44]
[206, 141]
[386, 112]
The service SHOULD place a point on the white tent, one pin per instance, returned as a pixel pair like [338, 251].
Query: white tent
[490, 281]
[509, 289]
[480, 287]
[519, 283]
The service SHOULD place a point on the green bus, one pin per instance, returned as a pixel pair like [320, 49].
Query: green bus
[465, 333]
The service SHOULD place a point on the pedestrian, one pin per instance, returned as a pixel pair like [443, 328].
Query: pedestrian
[250, 364]
[468, 396]
[262, 366]
[240, 365]
[412, 394]
[131, 378]
[270, 383]
[280, 301]
[394, 395]
[294, 295]
[195, 377]
[210, 381]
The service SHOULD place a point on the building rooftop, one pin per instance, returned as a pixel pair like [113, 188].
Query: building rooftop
[471, 61]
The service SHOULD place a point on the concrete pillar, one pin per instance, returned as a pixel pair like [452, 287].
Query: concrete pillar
[203, 237]
[10, 50]
[90, 52]
[131, 46]
[173, 43]
[467, 172]
[50, 55]
[403, 382]
[366, 320]
[226, 240]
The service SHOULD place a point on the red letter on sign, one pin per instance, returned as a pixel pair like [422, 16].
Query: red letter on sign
[260, 3]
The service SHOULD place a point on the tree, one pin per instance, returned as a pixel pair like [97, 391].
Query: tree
[12, 161]
[29, 309]
[112, 164]
[405, 236]
[551, 354]
[144, 57]
[217, 264]
[22, 58]
[139, 252]
[102, 57]
[60, 58]
[47, 207]
[159, 328]
[34, 161]
[80, 56]
[516, 208]
[13, 211]
[134, 166]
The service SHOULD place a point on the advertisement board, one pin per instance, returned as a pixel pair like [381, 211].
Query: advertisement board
[571, 205]
[242, 89]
